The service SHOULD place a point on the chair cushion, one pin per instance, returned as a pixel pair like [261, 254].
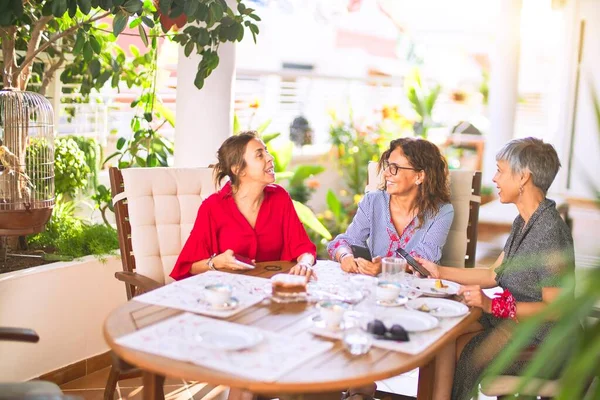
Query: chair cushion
[163, 203]
[507, 385]
[461, 195]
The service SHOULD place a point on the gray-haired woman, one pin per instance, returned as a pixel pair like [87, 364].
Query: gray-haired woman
[537, 254]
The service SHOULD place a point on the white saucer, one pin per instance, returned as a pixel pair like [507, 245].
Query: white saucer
[230, 305]
[400, 300]
[319, 323]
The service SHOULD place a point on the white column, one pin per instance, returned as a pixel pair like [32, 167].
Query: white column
[53, 94]
[504, 82]
[204, 118]
[563, 96]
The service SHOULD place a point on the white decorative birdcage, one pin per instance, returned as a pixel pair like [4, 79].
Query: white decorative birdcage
[26, 162]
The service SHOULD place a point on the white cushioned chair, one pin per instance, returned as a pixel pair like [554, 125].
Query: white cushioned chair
[155, 210]
[465, 187]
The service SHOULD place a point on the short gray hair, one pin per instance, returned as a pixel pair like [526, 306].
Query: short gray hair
[533, 155]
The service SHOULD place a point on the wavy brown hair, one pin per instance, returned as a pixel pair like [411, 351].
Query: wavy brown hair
[425, 156]
[230, 156]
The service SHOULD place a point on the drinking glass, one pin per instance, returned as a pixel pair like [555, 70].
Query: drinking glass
[357, 340]
[393, 269]
[365, 285]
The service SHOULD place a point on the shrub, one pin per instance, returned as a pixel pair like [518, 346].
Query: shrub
[70, 168]
[68, 235]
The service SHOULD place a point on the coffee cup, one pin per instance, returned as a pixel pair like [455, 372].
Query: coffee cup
[218, 294]
[332, 312]
[387, 291]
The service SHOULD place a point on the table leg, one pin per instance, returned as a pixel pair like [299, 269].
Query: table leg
[426, 381]
[241, 394]
[153, 386]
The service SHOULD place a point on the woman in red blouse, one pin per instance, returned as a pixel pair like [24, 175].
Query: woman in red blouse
[249, 217]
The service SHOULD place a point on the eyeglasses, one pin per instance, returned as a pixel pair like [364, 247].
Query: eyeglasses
[394, 168]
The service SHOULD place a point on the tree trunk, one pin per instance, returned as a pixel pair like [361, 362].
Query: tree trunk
[9, 55]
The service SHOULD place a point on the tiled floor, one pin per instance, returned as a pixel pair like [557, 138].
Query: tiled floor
[91, 387]
[585, 221]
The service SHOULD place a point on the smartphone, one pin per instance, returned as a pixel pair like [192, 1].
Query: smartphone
[361, 252]
[412, 262]
[244, 261]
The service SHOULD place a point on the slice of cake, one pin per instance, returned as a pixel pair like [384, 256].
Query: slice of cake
[285, 285]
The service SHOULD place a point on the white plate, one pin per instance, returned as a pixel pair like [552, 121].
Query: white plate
[231, 340]
[400, 300]
[441, 308]
[411, 321]
[427, 287]
[230, 305]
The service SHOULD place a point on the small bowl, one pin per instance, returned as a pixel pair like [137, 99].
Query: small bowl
[218, 294]
[332, 312]
[387, 291]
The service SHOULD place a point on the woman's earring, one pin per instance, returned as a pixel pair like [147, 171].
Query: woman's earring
[417, 183]
[520, 190]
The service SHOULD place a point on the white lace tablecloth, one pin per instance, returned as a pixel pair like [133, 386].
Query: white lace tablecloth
[188, 294]
[267, 361]
[331, 278]
[418, 342]
[330, 275]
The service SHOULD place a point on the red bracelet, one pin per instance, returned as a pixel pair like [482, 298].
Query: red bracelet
[504, 305]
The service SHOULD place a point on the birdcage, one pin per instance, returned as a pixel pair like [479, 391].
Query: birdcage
[26, 162]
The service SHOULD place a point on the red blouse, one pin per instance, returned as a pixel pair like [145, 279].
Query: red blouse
[278, 233]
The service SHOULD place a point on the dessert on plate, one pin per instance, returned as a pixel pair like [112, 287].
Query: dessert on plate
[288, 286]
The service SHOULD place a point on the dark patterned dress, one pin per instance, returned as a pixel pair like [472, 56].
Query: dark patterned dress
[536, 255]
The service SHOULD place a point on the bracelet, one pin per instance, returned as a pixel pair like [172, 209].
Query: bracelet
[210, 263]
[504, 305]
[341, 257]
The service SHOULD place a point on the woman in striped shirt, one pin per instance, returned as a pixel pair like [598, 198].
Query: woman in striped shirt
[411, 210]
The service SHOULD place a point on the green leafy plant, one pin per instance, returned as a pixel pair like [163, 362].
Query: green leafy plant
[147, 147]
[70, 169]
[103, 201]
[423, 100]
[93, 154]
[70, 27]
[484, 86]
[298, 187]
[38, 160]
[68, 235]
[354, 148]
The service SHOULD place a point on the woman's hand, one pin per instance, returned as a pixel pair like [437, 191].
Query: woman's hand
[474, 297]
[303, 269]
[348, 264]
[433, 268]
[226, 261]
[372, 268]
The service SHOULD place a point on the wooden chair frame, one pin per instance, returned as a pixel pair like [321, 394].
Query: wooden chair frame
[473, 221]
[134, 283]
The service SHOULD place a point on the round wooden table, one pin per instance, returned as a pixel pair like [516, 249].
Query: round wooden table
[332, 371]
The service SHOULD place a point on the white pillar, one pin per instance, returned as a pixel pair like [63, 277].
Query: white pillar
[53, 94]
[204, 118]
[504, 82]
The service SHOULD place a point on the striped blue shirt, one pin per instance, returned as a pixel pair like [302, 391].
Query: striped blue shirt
[372, 227]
